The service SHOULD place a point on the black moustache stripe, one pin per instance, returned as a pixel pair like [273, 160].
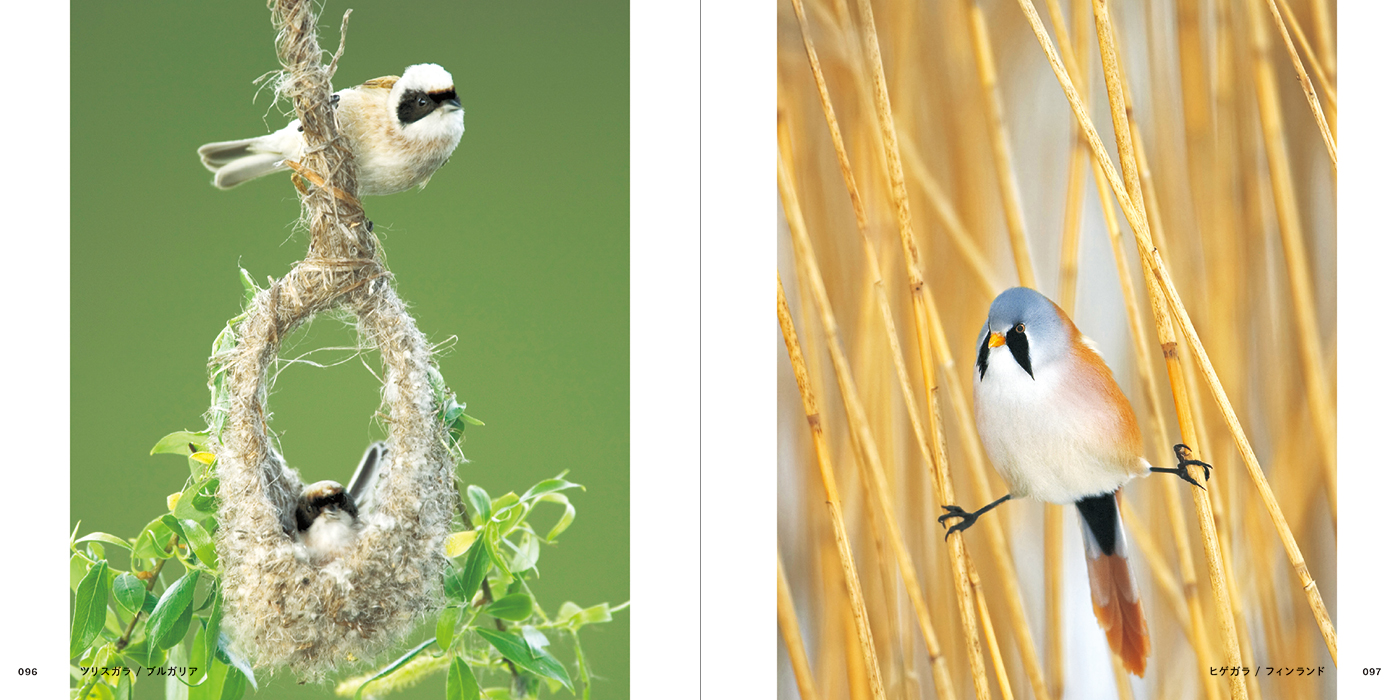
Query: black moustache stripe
[1020, 349]
[982, 356]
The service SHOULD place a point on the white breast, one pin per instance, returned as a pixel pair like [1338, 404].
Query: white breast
[1047, 443]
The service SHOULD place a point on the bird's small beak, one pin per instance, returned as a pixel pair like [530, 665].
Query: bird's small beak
[455, 103]
[997, 340]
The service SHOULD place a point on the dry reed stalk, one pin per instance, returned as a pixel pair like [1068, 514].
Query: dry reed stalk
[833, 498]
[1003, 681]
[855, 658]
[1154, 264]
[1327, 90]
[1053, 538]
[792, 638]
[1000, 546]
[1079, 155]
[839, 632]
[920, 293]
[1127, 157]
[943, 206]
[1054, 594]
[1319, 389]
[942, 680]
[1303, 79]
[1235, 254]
[1323, 20]
[1001, 145]
[857, 418]
[1175, 517]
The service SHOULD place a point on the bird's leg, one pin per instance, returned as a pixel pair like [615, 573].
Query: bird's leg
[967, 518]
[1182, 462]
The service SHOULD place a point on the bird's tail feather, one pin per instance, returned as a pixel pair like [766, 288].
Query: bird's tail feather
[1115, 596]
[247, 168]
[236, 162]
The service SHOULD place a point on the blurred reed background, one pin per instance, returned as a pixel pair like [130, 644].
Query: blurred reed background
[968, 173]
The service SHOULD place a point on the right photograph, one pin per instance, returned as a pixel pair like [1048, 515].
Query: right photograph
[1057, 349]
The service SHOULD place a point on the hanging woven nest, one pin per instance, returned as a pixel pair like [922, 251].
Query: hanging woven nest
[281, 609]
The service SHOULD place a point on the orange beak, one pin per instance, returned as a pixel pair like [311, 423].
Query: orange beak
[997, 340]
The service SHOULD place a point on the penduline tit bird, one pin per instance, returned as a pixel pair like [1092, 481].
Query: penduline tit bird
[399, 130]
[1058, 429]
[329, 517]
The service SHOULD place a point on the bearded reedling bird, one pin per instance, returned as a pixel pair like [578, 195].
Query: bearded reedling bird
[1058, 429]
[328, 517]
[400, 131]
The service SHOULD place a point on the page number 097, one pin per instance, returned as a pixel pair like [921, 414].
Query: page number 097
[1370, 672]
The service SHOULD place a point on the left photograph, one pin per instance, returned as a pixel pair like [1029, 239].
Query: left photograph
[350, 351]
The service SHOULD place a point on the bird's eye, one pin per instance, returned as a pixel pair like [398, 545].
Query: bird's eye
[422, 102]
[1020, 328]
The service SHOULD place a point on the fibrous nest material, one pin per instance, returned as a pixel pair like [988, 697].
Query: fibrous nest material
[278, 609]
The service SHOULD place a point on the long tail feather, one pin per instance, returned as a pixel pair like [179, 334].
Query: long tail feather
[1116, 602]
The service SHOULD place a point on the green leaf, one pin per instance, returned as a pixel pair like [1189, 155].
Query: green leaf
[398, 663]
[514, 607]
[226, 654]
[129, 592]
[235, 685]
[574, 617]
[250, 288]
[526, 554]
[123, 688]
[459, 542]
[453, 586]
[494, 551]
[461, 683]
[206, 500]
[182, 442]
[507, 501]
[523, 655]
[565, 520]
[104, 537]
[213, 686]
[212, 627]
[536, 640]
[151, 543]
[506, 520]
[78, 565]
[89, 610]
[201, 542]
[447, 626]
[476, 566]
[549, 486]
[187, 508]
[481, 502]
[171, 618]
[175, 686]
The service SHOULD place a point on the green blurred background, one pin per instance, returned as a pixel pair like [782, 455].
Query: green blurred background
[518, 248]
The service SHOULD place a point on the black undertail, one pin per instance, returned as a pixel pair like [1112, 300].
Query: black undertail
[1101, 514]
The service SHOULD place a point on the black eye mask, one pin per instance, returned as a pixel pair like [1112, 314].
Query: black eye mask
[306, 514]
[416, 104]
